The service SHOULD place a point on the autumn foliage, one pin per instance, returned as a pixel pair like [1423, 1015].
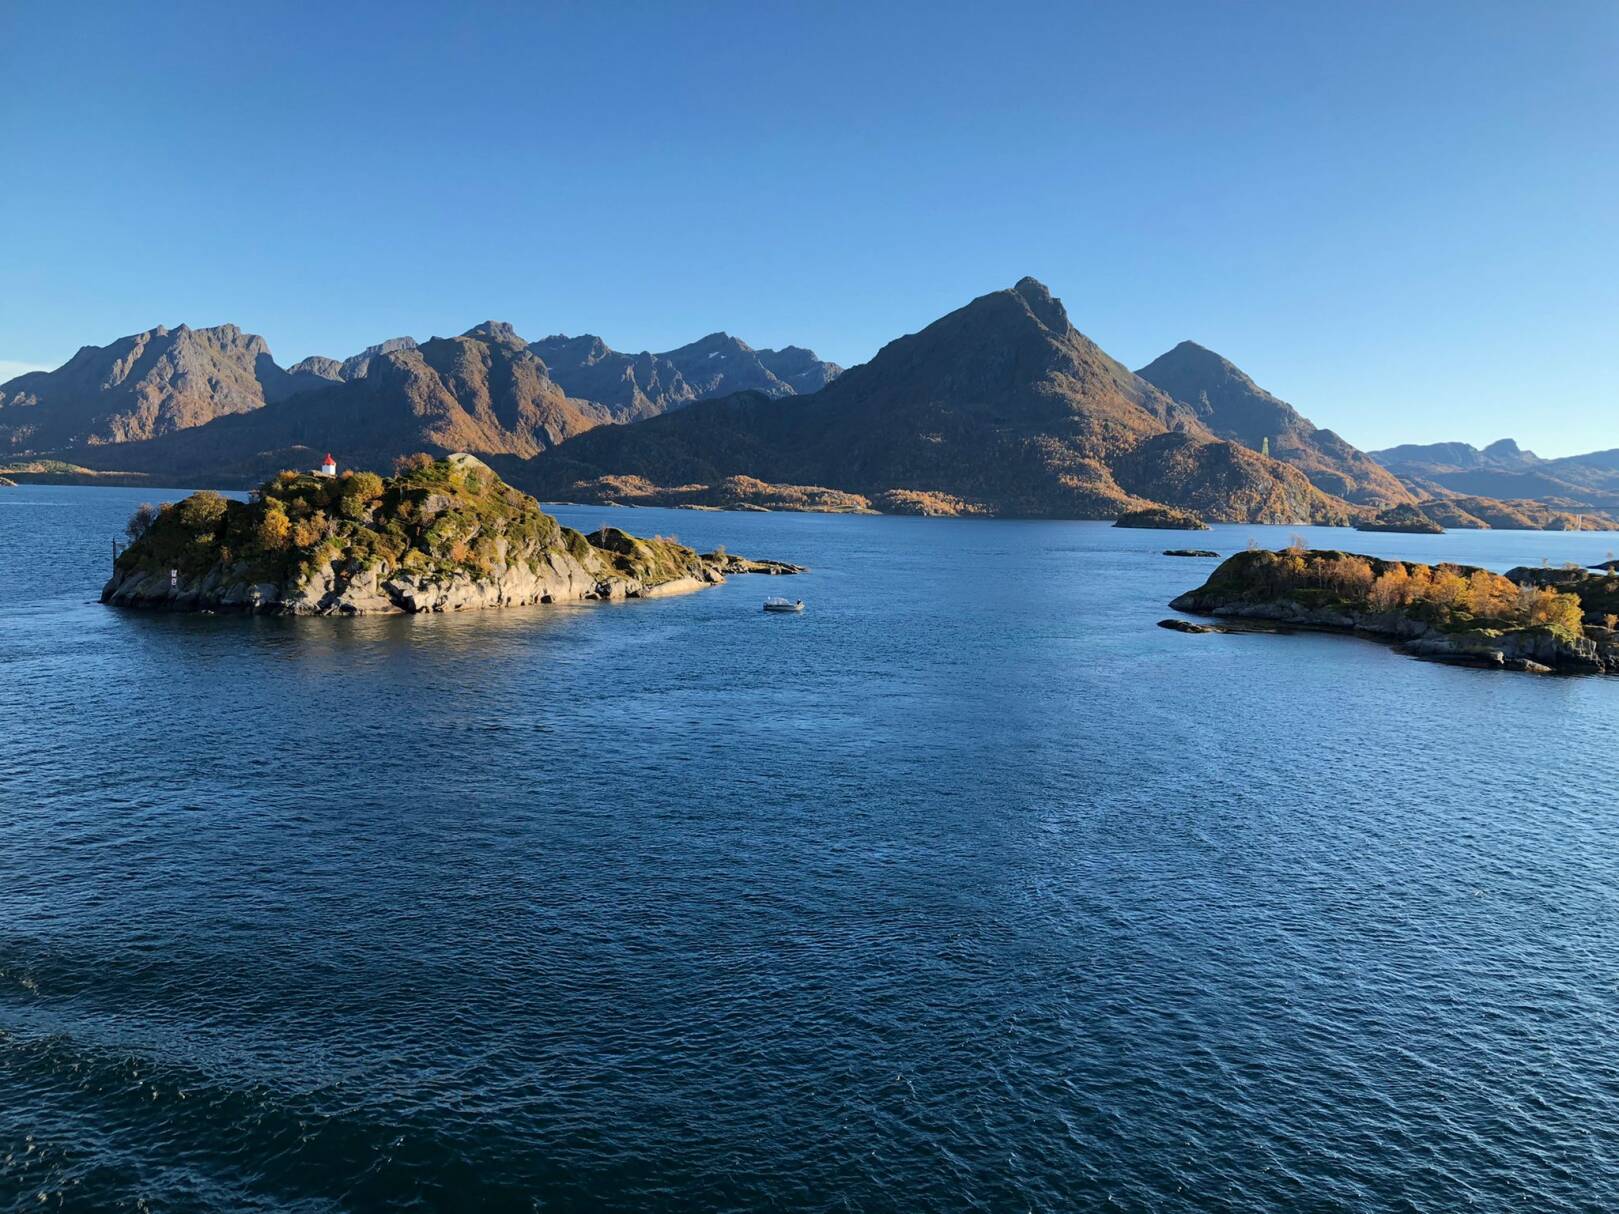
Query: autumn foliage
[1448, 594]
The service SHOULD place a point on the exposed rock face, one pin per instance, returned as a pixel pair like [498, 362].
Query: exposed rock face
[445, 536]
[140, 387]
[1235, 408]
[634, 386]
[484, 391]
[1001, 407]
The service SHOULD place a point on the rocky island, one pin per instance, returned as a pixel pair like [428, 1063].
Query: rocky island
[1407, 520]
[1537, 620]
[440, 535]
[1161, 518]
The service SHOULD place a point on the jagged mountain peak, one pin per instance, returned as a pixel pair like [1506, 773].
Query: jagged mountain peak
[1508, 451]
[586, 347]
[498, 331]
[1042, 304]
[140, 386]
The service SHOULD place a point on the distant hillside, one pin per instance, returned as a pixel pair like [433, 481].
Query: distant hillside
[633, 386]
[1235, 408]
[1000, 407]
[1505, 471]
[484, 391]
[143, 386]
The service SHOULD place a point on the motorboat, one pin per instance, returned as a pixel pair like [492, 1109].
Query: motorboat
[784, 604]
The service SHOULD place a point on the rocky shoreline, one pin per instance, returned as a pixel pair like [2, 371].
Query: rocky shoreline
[1538, 630]
[447, 536]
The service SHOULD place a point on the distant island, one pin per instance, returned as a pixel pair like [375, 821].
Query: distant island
[440, 535]
[1001, 408]
[1161, 518]
[1533, 620]
[1407, 520]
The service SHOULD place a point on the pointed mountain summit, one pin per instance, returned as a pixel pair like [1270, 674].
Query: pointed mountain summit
[1234, 408]
[1000, 407]
[142, 386]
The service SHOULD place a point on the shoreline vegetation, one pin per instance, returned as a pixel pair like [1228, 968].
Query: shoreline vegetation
[1542, 620]
[440, 535]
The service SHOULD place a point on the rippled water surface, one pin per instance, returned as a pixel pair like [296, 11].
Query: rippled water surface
[967, 889]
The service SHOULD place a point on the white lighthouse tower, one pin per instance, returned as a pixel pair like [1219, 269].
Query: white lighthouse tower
[328, 466]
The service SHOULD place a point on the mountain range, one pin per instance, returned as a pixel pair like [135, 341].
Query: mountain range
[1001, 407]
[635, 386]
[142, 386]
[1505, 470]
[503, 398]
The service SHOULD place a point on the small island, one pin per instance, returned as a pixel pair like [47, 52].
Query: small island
[1203, 552]
[1535, 620]
[1407, 520]
[1161, 518]
[440, 535]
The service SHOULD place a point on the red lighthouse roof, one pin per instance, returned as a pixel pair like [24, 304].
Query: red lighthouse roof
[329, 458]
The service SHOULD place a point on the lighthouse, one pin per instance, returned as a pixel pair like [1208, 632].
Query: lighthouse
[328, 466]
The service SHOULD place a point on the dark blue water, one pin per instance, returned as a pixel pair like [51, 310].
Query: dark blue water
[967, 889]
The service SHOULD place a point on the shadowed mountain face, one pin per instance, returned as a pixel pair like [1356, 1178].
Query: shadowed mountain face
[143, 386]
[1506, 471]
[484, 391]
[1001, 407]
[1235, 408]
[633, 386]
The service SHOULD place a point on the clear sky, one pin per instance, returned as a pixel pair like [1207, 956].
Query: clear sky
[1403, 217]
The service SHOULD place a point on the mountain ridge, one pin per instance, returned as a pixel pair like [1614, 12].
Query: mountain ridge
[1237, 409]
[634, 386]
[1001, 406]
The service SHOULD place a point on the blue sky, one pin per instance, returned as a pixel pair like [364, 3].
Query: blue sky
[1404, 218]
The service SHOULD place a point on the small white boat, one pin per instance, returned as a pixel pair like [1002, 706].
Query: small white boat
[784, 604]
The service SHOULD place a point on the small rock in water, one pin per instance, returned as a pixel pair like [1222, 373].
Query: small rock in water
[1189, 552]
[1185, 626]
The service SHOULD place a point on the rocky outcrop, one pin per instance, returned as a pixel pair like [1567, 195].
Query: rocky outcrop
[1338, 592]
[443, 536]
